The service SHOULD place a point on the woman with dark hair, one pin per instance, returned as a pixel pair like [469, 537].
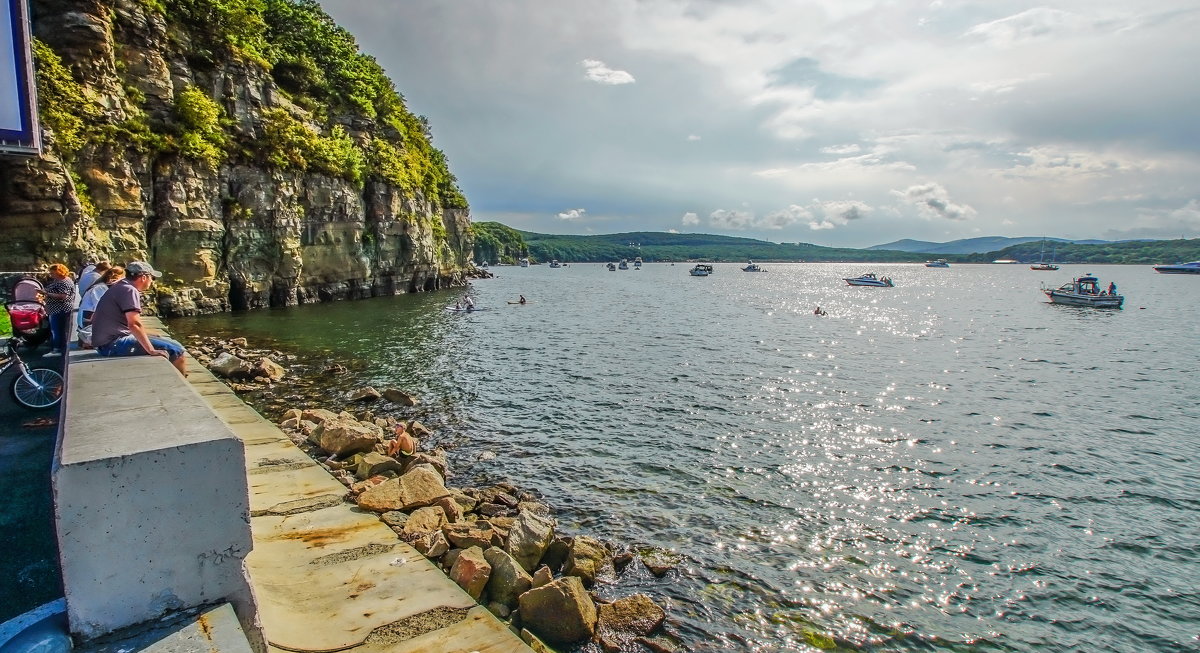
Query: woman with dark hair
[60, 301]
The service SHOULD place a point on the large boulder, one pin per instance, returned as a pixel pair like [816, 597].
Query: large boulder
[625, 619]
[587, 559]
[435, 459]
[560, 612]
[341, 436]
[229, 366]
[416, 489]
[466, 535]
[317, 415]
[528, 539]
[424, 520]
[401, 397]
[471, 571]
[268, 368]
[371, 464]
[508, 580]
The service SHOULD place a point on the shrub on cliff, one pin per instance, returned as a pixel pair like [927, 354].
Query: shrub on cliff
[62, 105]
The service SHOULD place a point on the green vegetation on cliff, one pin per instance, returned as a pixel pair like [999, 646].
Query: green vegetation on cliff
[1133, 252]
[498, 243]
[345, 118]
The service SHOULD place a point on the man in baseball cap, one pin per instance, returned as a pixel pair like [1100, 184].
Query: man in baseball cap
[117, 328]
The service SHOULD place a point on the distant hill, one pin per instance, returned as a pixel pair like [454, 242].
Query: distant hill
[965, 245]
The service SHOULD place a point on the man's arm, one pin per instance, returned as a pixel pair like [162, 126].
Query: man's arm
[134, 320]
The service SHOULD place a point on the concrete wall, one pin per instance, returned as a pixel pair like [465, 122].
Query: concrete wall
[150, 493]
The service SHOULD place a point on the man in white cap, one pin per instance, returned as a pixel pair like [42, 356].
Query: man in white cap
[117, 328]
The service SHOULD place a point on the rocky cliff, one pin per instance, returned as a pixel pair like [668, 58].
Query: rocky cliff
[245, 147]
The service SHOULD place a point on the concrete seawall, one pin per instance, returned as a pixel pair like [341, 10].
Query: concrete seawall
[173, 494]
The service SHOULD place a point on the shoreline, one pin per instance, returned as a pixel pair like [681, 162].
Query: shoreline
[500, 543]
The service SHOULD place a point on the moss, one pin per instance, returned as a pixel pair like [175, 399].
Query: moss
[202, 137]
[63, 106]
[82, 193]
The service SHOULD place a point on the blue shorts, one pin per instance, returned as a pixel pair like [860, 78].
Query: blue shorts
[129, 346]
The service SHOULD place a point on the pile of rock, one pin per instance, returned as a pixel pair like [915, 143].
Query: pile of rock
[498, 543]
[232, 360]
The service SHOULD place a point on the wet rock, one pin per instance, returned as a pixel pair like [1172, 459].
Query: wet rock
[560, 612]
[364, 394]
[622, 560]
[508, 580]
[418, 429]
[400, 397]
[416, 489]
[529, 538]
[587, 559]
[471, 571]
[659, 562]
[556, 554]
[270, 369]
[619, 622]
[230, 367]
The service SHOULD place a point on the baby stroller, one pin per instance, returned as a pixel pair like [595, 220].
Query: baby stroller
[27, 313]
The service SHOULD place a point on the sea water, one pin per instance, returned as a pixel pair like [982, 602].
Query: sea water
[950, 464]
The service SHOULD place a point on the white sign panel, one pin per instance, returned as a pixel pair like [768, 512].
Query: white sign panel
[18, 110]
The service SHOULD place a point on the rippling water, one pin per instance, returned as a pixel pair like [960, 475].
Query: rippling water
[951, 464]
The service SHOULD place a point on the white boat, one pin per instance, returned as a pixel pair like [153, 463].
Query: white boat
[624, 264]
[869, 279]
[1085, 291]
[1179, 268]
[701, 270]
[637, 263]
[524, 262]
[612, 267]
[1042, 265]
[752, 267]
[555, 264]
[1005, 261]
[940, 263]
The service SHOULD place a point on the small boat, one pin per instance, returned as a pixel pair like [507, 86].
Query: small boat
[752, 267]
[624, 265]
[637, 263]
[524, 262]
[701, 270]
[555, 264]
[1005, 261]
[1085, 291]
[1179, 268]
[940, 263]
[612, 267]
[483, 265]
[869, 279]
[1042, 265]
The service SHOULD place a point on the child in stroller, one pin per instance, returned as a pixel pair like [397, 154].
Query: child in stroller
[27, 312]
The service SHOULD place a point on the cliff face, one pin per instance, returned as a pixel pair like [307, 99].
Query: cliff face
[231, 224]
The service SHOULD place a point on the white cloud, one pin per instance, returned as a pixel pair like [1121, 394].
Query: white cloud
[690, 219]
[849, 148]
[572, 214]
[735, 220]
[933, 201]
[837, 213]
[598, 71]
[693, 137]
[1036, 23]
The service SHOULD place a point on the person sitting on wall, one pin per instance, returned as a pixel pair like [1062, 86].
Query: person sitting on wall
[117, 328]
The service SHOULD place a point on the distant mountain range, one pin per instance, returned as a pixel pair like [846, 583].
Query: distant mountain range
[975, 245]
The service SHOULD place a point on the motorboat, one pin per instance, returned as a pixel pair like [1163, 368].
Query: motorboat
[869, 279]
[555, 264]
[612, 267]
[637, 263]
[524, 262]
[1043, 266]
[623, 265]
[701, 270]
[752, 267]
[940, 263]
[1085, 291]
[1179, 268]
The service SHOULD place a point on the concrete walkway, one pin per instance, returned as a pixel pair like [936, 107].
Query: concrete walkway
[330, 577]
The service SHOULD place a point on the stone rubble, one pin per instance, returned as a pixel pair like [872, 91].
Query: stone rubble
[499, 543]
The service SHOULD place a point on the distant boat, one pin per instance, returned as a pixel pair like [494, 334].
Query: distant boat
[1084, 291]
[555, 264]
[524, 262]
[1042, 264]
[1005, 261]
[869, 279]
[624, 264]
[940, 263]
[637, 263]
[701, 270]
[612, 267]
[752, 267]
[1179, 268]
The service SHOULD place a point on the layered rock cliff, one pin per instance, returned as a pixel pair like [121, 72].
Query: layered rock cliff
[244, 147]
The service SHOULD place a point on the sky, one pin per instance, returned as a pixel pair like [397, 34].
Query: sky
[844, 123]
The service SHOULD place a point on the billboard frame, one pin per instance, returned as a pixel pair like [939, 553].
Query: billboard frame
[27, 139]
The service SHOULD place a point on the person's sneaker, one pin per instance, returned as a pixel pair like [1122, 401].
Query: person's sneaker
[52, 353]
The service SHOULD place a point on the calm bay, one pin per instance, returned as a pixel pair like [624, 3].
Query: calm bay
[950, 464]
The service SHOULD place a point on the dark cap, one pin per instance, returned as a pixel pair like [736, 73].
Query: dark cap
[141, 267]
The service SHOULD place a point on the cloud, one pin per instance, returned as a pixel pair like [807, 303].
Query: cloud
[849, 148]
[1166, 223]
[932, 201]
[693, 137]
[690, 219]
[837, 213]
[572, 214]
[598, 71]
[735, 220]
[1036, 23]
